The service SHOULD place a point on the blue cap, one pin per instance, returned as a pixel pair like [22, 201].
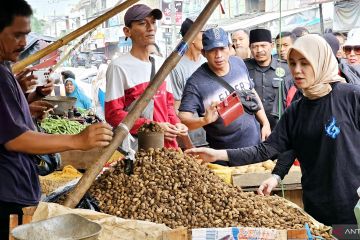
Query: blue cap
[215, 38]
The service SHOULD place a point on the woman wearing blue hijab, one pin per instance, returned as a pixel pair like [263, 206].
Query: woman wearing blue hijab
[73, 90]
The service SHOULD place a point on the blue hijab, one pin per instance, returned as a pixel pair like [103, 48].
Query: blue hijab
[82, 100]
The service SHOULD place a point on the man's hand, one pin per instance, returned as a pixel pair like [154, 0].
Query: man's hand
[95, 135]
[170, 131]
[47, 88]
[26, 82]
[208, 154]
[211, 114]
[182, 129]
[267, 186]
[265, 132]
[39, 109]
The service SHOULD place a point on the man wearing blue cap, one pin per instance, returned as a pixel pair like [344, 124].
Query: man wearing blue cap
[202, 93]
[129, 75]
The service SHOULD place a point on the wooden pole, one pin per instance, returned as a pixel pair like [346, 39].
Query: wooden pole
[19, 66]
[120, 132]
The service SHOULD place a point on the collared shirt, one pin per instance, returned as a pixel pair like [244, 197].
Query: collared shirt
[267, 84]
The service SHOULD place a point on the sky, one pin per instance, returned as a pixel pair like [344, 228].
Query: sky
[44, 8]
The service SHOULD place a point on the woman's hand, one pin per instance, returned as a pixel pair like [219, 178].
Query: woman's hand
[268, 185]
[208, 154]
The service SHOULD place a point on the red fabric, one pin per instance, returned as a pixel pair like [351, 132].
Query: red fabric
[163, 108]
[290, 95]
[48, 62]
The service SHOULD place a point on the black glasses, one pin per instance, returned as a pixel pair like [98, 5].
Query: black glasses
[348, 49]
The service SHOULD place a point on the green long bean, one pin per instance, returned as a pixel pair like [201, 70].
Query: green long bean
[61, 126]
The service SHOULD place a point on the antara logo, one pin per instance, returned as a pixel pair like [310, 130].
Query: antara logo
[331, 129]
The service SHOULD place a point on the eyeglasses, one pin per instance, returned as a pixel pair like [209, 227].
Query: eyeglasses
[348, 49]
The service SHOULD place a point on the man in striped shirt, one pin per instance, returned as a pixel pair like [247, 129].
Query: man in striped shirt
[129, 75]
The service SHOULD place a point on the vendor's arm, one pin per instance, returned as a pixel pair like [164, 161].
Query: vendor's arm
[262, 119]
[31, 142]
[115, 99]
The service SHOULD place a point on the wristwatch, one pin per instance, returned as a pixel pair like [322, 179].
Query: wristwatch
[277, 177]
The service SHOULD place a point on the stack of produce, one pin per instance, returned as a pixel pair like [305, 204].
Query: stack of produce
[51, 182]
[262, 167]
[61, 126]
[171, 188]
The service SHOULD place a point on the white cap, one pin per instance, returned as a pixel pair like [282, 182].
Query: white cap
[353, 37]
[358, 192]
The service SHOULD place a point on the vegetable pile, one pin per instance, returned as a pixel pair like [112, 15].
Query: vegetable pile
[61, 126]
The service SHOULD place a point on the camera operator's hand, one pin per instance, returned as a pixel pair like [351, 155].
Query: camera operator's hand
[46, 89]
[26, 81]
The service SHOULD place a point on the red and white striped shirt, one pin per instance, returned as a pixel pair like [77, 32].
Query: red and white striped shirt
[127, 78]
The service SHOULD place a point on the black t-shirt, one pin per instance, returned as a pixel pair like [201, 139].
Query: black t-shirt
[325, 135]
[19, 179]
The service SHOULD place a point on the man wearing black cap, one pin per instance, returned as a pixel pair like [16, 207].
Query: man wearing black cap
[183, 70]
[129, 75]
[272, 78]
[202, 93]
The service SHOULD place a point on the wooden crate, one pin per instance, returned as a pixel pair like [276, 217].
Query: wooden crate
[247, 180]
[291, 184]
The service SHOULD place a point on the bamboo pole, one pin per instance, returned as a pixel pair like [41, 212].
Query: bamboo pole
[19, 66]
[120, 133]
[68, 52]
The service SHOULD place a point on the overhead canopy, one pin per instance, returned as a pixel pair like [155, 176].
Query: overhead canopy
[35, 42]
[346, 15]
[266, 17]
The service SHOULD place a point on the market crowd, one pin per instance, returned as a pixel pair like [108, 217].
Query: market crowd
[306, 96]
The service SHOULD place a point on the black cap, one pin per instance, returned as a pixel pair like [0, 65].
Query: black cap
[186, 25]
[139, 12]
[260, 35]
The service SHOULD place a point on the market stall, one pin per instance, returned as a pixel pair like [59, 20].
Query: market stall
[250, 177]
[170, 188]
